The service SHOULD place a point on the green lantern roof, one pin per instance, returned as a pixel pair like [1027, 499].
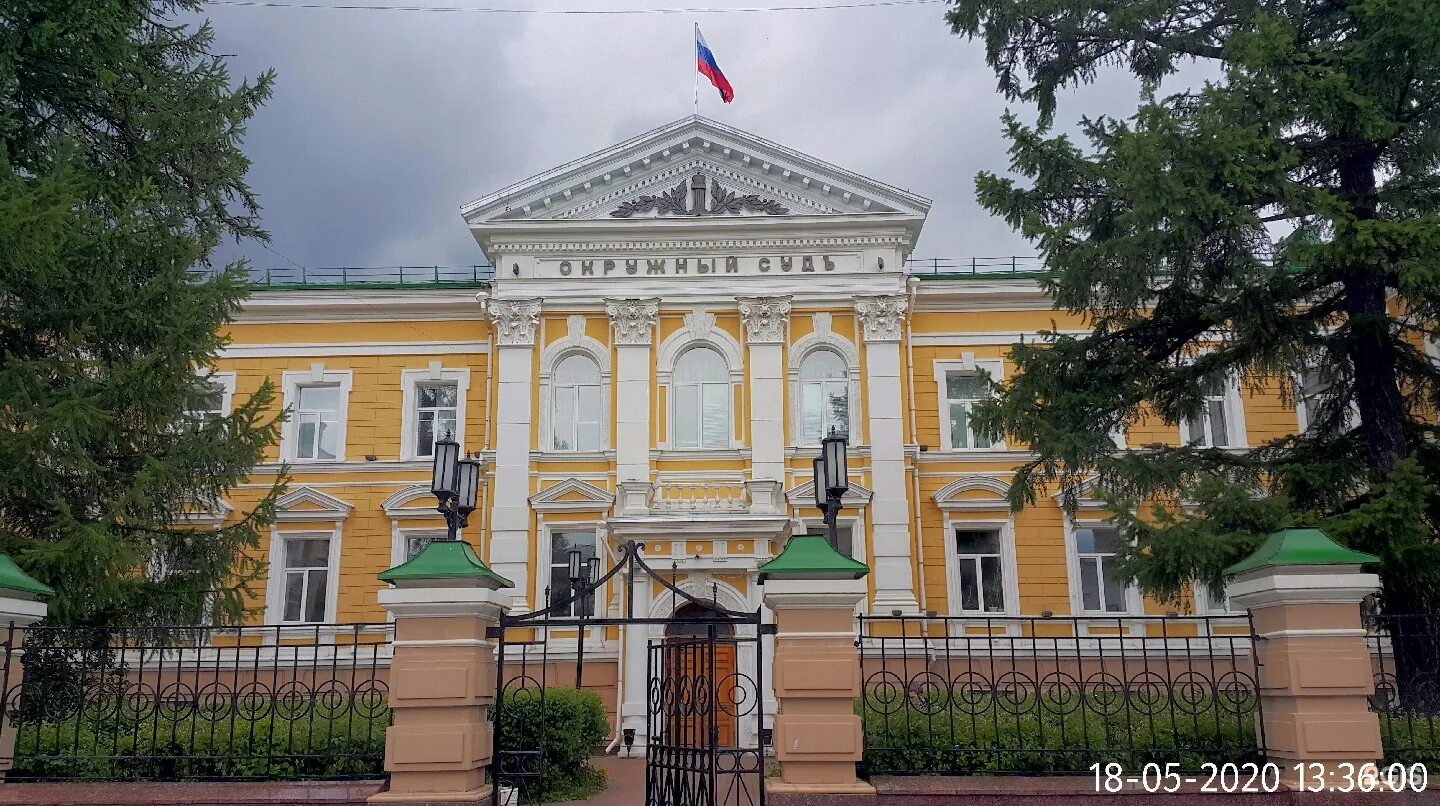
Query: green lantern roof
[13, 579]
[446, 560]
[1300, 547]
[812, 557]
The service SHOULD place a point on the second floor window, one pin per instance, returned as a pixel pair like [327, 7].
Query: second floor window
[1217, 424]
[701, 388]
[1314, 392]
[824, 396]
[436, 407]
[577, 405]
[317, 422]
[963, 390]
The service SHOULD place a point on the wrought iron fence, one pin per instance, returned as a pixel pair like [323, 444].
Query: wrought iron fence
[191, 703]
[960, 267]
[1405, 659]
[1052, 695]
[367, 276]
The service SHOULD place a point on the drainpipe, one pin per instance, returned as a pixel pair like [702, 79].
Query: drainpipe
[912, 285]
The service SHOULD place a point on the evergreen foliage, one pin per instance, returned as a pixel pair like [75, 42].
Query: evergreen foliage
[120, 173]
[1284, 215]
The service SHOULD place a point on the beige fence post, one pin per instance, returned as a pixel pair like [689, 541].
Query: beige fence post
[818, 739]
[442, 677]
[21, 605]
[1303, 592]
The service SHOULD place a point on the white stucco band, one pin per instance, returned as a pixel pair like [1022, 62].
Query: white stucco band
[813, 594]
[21, 612]
[444, 602]
[1297, 584]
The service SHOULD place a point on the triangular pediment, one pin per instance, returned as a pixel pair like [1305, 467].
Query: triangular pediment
[662, 172]
[307, 503]
[804, 495]
[572, 494]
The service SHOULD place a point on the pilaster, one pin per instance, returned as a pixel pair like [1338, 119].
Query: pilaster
[633, 322]
[882, 319]
[514, 322]
[766, 322]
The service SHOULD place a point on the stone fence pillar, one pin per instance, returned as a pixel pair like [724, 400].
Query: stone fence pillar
[442, 677]
[1303, 592]
[21, 605]
[818, 737]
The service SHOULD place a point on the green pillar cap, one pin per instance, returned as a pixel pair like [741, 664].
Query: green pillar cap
[1300, 547]
[453, 560]
[812, 557]
[13, 579]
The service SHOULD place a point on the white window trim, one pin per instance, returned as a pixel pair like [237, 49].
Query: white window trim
[574, 342]
[736, 378]
[1009, 566]
[543, 559]
[226, 381]
[275, 583]
[1134, 602]
[1234, 418]
[1301, 419]
[1202, 603]
[800, 351]
[813, 526]
[699, 331]
[995, 368]
[316, 376]
[410, 380]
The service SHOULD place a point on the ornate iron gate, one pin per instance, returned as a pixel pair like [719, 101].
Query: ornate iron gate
[705, 708]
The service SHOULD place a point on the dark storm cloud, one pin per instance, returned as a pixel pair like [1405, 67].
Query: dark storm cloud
[385, 122]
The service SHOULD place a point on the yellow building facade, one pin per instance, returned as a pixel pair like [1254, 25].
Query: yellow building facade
[672, 325]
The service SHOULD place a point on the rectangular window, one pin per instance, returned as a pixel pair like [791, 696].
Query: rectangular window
[436, 408]
[1101, 590]
[561, 544]
[1315, 389]
[317, 422]
[1212, 427]
[844, 536]
[307, 571]
[982, 576]
[962, 391]
[208, 403]
[417, 540]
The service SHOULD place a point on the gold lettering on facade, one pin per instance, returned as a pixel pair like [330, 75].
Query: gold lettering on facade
[680, 266]
[829, 264]
[701, 267]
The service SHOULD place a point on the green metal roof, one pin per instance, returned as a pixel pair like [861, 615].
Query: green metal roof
[1300, 547]
[446, 559]
[13, 579]
[812, 557]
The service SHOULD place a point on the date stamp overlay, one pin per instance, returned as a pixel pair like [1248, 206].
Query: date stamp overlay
[1255, 777]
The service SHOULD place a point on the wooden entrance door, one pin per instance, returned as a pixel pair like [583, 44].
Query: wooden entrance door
[702, 671]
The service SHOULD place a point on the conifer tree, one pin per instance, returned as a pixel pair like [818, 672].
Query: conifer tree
[1283, 216]
[120, 173]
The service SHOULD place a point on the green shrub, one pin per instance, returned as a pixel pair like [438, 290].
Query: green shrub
[1027, 736]
[1411, 738]
[567, 726]
[217, 745]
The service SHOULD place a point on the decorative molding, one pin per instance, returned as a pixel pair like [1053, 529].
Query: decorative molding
[633, 319]
[803, 496]
[323, 507]
[553, 498]
[515, 320]
[327, 350]
[721, 201]
[765, 318]
[948, 497]
[706, 245]
[399, 503]
[700, 323]
[881, 316]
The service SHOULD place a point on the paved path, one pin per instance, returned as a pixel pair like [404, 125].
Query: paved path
[627, 783]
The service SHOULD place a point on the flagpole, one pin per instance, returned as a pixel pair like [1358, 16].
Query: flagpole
[695, 66]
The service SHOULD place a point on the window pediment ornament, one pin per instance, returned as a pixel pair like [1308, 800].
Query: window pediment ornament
[881, 315]
[765, 318]
[515, 320]
[634, 319]
[677, 201]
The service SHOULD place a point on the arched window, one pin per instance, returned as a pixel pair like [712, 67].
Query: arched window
[578, 406]
[824, 396]
[701, 389]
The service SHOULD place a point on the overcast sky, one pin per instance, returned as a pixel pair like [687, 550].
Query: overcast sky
[385, 122]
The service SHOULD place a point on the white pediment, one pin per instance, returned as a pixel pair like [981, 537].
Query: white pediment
[571, 495]
[308, 503]
[804, 495]
[660, 173]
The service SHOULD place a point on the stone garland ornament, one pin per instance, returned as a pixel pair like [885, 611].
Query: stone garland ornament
[722, 201]
[515, 320]
[765, 318]
[634, 319]
[881, 315]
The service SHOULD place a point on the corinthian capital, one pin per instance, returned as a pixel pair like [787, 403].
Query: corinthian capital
[881, 315]
[634, 319]
[765, 319]
[514, 320]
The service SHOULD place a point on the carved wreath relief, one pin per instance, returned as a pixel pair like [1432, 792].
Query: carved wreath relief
[721, 201]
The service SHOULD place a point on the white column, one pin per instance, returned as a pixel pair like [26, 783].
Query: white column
[881, 319]
[634, 708]
[766, 320]
[514, 322]
[634, 325]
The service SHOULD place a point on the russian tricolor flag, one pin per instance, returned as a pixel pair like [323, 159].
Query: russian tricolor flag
[706, 64]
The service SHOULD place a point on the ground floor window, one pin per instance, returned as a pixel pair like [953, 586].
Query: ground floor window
[307, 579]
[844, 541]
[981, 570]
[417, 539]
[561, 544]
[1101, 588]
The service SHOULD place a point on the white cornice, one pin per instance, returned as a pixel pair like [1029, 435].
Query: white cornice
[314, 305]
[318, 349]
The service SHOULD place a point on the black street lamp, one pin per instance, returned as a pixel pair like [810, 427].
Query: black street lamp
[455, 481]
[832, 480]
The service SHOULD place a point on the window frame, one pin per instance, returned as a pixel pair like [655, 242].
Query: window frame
[1009, 563]
[843, 381]
[275, 589]
[727, 385]
[1134, 603]
[226, 382]
[318, 376]
[548, 562]
[960, 559]
[1234, 406]
[602, 415]
[993, 368]
[411, 380]
[855, 525]
[1302, 414]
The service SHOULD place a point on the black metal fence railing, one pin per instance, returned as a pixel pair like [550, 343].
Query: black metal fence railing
[1405, 659]
[188, 703]
[1053, 695]
[369, 276]
[941, 267]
